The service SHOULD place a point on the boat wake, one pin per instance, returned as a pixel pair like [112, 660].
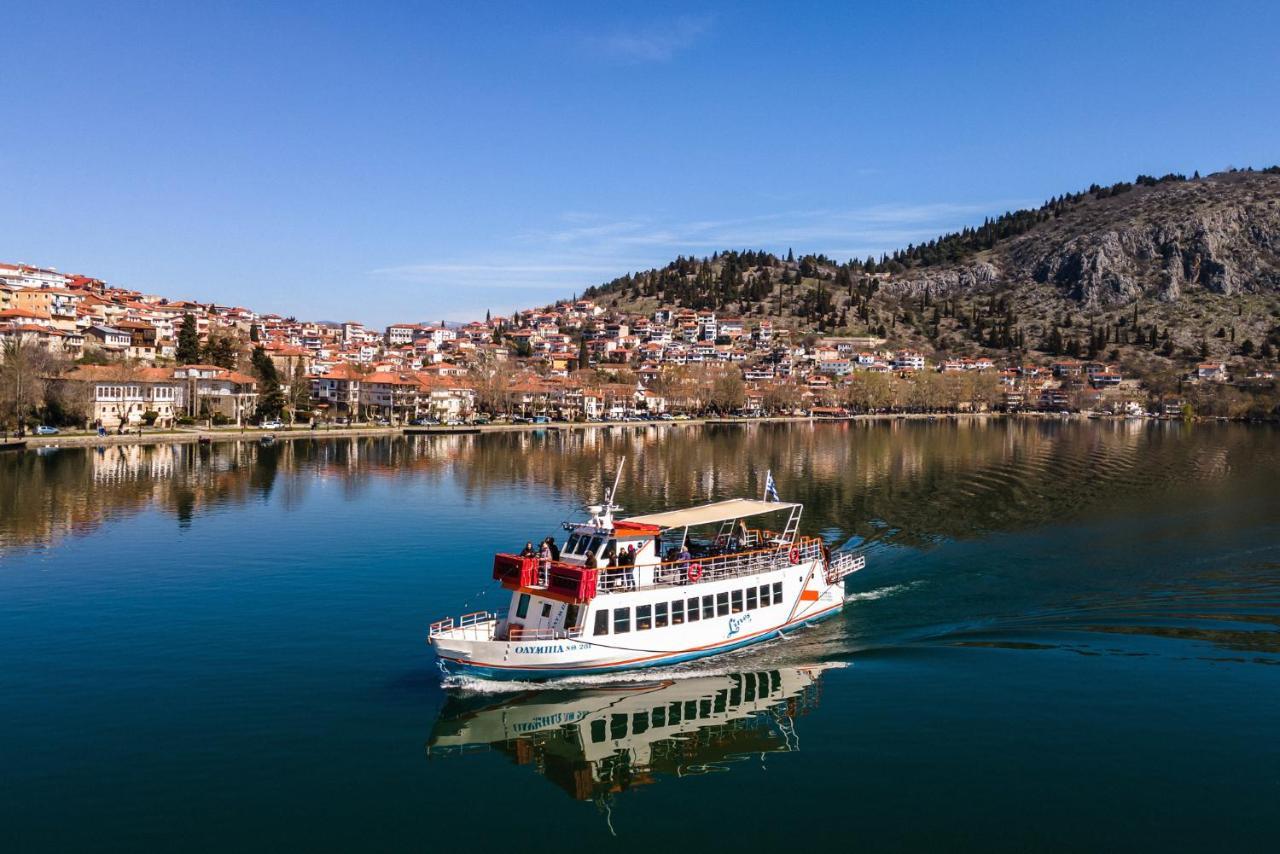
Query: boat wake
[882, 592]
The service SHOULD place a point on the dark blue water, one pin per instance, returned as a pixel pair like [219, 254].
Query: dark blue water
[1066, 638]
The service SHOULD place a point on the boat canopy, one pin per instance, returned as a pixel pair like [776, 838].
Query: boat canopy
[708, 514]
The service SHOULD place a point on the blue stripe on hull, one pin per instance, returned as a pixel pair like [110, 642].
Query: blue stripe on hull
[458, 668]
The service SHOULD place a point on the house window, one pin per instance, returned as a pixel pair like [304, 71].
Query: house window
[694, 614]
[752, 600]
[621, 620]
[643, 620]
[660, 615]
[722, 604]
[737, 602]
[522, 606]
[677, 612]
[777, 592]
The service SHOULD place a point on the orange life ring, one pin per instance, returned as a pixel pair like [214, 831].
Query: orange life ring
[694, 573]
[795, 555]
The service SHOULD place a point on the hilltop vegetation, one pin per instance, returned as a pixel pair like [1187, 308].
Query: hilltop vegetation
[1153, 273]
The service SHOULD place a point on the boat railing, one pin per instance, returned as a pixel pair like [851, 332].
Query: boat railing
[843, 564]
[714, 568]
[475, 623]
[521, 633]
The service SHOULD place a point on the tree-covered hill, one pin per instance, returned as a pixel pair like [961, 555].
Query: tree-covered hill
[1147, 271]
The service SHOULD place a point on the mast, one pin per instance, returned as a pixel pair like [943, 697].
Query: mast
[603, 513]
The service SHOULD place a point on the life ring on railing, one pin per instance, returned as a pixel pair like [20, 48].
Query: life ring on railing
[695, 573]
[795, 555]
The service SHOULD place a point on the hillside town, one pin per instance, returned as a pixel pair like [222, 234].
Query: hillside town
[112, 359]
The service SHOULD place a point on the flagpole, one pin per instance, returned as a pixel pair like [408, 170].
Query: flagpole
[765, 494]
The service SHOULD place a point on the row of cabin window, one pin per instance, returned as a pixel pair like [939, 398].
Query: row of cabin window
[750, 688]
[691, 610]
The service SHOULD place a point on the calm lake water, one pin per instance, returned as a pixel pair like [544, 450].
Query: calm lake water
[1066, 638]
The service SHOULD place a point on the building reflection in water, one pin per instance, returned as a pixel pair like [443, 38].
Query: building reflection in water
[920, 481]
[595, 743]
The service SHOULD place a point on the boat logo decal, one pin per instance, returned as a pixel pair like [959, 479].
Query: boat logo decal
[735, 624]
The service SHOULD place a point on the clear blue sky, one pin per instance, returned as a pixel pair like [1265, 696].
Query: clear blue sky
[383, 162]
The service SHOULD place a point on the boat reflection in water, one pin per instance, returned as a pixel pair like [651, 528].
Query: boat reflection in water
[597, 742]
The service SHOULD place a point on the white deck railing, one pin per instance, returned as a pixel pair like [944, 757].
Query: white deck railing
[473, 626]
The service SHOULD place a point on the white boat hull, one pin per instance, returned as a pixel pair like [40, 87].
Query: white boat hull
[806, 598]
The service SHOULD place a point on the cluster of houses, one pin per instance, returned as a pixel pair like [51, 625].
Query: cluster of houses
[527, 363]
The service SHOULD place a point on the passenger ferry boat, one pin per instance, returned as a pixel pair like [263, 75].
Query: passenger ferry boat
[642, 592]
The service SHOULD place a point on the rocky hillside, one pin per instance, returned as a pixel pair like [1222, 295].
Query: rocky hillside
[1170, 269]
[1220, 234]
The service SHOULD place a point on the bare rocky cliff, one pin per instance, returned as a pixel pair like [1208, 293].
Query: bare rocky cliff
[1220, 234]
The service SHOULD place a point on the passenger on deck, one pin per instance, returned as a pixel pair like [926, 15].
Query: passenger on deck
[555, 550]
[528, 551]
[544, 554]
[629, 559]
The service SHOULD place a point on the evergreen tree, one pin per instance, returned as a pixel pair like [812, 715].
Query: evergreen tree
[188, 351]
[271, 399]
[221, 350]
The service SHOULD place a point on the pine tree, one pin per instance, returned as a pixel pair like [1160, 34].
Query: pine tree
[188, 351]
[271, 399]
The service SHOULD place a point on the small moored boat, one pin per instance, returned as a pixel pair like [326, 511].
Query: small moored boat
[647, 591]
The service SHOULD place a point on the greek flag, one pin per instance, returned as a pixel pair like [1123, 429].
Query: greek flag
[770, 488]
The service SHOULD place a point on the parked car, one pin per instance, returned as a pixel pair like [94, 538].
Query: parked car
[272, 424]
[454, 422]
[539, 419]
[46, 430]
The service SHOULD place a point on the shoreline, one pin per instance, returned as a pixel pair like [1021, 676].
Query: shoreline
[220, 436]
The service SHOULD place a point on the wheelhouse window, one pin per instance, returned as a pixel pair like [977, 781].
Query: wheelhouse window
[736, 596]
[722, 604]
[602, 622]
[753, 600]
[571, 546]
[660, 615]
[522, 606]
[643, 617]
[694, 613]
[677, 612]
[621, 620]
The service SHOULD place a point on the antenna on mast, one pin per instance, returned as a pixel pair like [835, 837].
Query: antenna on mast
[604, 513]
